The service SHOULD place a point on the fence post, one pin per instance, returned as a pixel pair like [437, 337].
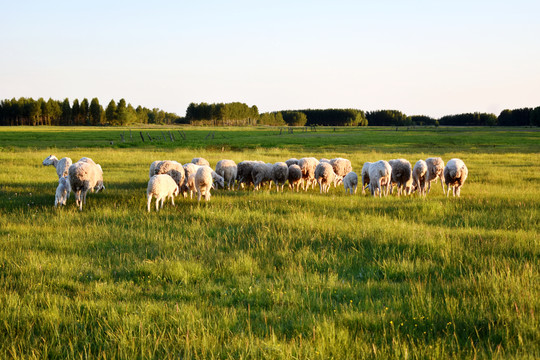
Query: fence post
[142, 136]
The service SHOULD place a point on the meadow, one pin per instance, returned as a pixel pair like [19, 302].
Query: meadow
[265, 274]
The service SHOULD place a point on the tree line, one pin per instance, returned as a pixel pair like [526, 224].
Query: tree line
[27, 111]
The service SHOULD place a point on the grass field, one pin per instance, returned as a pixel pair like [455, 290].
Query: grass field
[269, 275]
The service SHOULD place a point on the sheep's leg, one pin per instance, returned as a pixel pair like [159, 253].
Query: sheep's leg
[442, 185]
[148, 201]
[172, 199]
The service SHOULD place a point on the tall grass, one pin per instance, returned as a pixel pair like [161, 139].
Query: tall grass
[266, 274]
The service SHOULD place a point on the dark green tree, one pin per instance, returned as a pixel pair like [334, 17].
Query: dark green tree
[110, 113]
[95, 112]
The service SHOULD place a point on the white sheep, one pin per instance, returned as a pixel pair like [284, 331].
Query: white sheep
[308, 165]
[172, 168]
[280, 174]
[380, 177]
[365, 176]
[295, 177]
[455, 174]
[401, 176]
[341, 168]
[153, 166]
[200, 161]
[261, 174]
[435, 169]
[62, 191]
[419, 176]
[84, 176]
[188, 186]
[204, 180]
[161, 186]
[350, 182]
[324, 175]
[61, 166]
[228, 170]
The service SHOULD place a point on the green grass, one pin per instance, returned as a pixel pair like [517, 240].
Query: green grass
[268, 275]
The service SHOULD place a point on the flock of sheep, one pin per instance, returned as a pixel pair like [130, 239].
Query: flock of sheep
[169, 178]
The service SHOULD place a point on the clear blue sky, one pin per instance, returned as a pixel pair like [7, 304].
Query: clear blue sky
[421, 57]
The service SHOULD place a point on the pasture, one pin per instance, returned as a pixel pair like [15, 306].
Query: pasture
[265, 274]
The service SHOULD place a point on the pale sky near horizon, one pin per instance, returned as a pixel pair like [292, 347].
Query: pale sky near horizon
[421, 57]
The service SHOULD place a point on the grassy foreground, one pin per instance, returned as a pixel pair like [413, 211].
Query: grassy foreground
[268, 275]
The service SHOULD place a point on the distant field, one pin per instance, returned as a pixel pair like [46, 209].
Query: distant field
[268, 275]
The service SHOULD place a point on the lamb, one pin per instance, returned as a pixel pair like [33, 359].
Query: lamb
[200, 161]
[62, 191]
[455, 174]
[280, 174]
[435, 169]
[365, 176]
[204, 180]
[262, 173]
[172, 168]
[61, 165]
[324, 174]
[161, 186]
[295, 176]
[308, 165]
[379, 176]
[291, 161]
[350, 182]
[401, 176]
[84, 176]
[419, 176]
[228, 170]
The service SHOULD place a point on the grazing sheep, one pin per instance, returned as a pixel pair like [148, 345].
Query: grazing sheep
[324, 175]
[419, 176]
[455, 174]
[261, 174]
[341, 167]
[87, 160]
[308, 165]
[189, 186]
[228, 170]
[200, 161]
[243, 173]
[435, 169]
[203, 182]
[291, 161]
[401, 176]
[172, 168]
[365, 176]
[84, 176]
[324, 160]
[62, 191]
[379, 176]
[280, 174]
[350, 182]
[153, 166]
[161, 186]
[61, 165]
[295, 177]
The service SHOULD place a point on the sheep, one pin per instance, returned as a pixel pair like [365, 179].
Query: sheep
[419, 176]
[200, 161]
[153, 166]
[243, 173]
[401, 176]
[455, 174]
[62, 191]
[341, 167]
[308, 165]
[204, 180]
[280, 174]
[350, 182]
[435, 169]
[61, 165]
[84, 176]
[379, 176]
[324, 160]
[87, 160]
[365, 176]
[295, 176]
[324, 175]
[228, 170]
[291, 161]
[172, 168]
[261, 173]
[161, 186]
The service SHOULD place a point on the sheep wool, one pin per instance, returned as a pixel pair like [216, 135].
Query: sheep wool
[365, 176]
[172, 168]
[350, 182]
[61, 166]
[325, 176]
[62, 191]
[84, 176]
[401, 175]
[419, 176]
[200, 161]
[228, 170]
[291, 161]
[380, 177]
[280, 174]
[308, 165]
[455, 174]
[435, 170]
[203, 182]
[161, 186]
[294, 177]
[261, 174]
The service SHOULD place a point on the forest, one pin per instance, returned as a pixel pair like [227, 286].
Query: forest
[27, 111]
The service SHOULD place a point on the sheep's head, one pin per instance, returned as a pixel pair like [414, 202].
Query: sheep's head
[176, 191]
[49, 160]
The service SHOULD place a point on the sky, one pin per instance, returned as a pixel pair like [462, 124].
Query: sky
[430, 58]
